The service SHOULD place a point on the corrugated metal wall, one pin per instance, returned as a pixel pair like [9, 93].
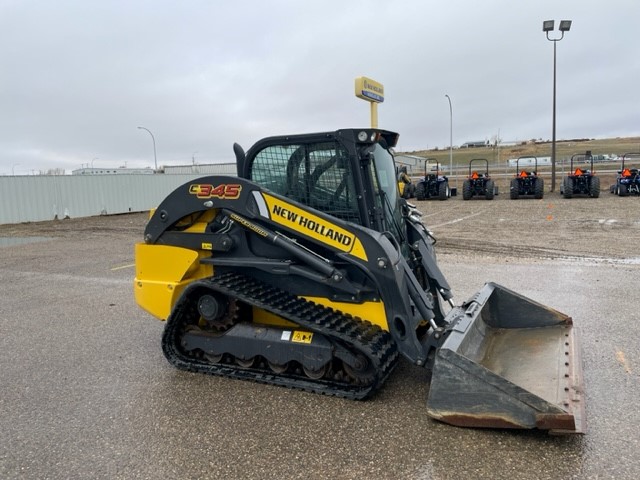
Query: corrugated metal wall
[40, 197]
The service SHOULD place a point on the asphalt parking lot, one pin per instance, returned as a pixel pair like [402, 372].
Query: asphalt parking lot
[87, 393]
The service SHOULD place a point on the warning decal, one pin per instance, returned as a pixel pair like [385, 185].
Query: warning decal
[301, 337]
[286, 335]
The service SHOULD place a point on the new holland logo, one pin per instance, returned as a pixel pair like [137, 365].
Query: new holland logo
[324, 230]
[306, 223]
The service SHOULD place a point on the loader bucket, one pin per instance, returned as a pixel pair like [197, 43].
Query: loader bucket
[508, 362]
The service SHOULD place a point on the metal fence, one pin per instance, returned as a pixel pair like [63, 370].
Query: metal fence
[36, 198]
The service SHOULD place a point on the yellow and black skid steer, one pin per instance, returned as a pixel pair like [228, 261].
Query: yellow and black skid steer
[308, 270]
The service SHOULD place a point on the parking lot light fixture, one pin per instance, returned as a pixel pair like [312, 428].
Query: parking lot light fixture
[565, 25]
[548, 26]
[153, 139]
[451, 139]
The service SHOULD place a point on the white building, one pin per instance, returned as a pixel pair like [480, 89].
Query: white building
[112, 171]
[202, 169]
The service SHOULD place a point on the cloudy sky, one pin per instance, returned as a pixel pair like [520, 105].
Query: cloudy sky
[78, 77]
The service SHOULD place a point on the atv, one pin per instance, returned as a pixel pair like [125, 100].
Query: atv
[527, 182]
[581, 181]
[478, 184]
[433, 185]
[628, 179]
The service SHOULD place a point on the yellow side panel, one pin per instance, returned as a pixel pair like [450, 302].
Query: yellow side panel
[162, 273]
[267, 318]
[197, 223]
[371, 311]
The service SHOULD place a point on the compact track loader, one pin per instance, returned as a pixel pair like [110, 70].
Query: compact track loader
[309, 271]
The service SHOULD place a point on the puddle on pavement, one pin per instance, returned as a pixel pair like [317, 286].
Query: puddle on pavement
[12, 241]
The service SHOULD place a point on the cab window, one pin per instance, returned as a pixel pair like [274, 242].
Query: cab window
[318, 175]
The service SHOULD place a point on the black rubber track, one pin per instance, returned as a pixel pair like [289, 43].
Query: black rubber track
[358, 335]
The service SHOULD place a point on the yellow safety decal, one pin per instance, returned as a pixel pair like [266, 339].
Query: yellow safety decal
[251, 226]
[314, 227]
[207, 246]
[301, 337]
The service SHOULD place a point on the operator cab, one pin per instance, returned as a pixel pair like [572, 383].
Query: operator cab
[348, 174]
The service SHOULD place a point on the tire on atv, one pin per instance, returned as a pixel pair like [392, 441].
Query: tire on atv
[421, 191]
[568, 187]
[489, 190]
[623, 190]
[466, 190]
[594, 187]
[538, 192]
[515, 189]
[443, 190]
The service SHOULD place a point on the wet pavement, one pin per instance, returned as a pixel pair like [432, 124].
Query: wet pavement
[87, 393]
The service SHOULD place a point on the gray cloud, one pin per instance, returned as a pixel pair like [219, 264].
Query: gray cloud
[79, 77]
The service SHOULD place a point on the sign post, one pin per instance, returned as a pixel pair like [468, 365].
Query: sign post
[372, 92]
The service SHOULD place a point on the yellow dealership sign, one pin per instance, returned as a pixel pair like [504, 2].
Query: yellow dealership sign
[372, 92]
[369, 90]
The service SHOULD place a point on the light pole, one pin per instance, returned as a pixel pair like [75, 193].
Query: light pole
[13, 172]
[155, 158]
[547, 26]
[94, 159]
[450, 137]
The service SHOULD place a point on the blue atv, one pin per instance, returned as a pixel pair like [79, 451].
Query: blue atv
[478, 183]
[581, 181]
[433, 185]
[628, 179]
[526, 183]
